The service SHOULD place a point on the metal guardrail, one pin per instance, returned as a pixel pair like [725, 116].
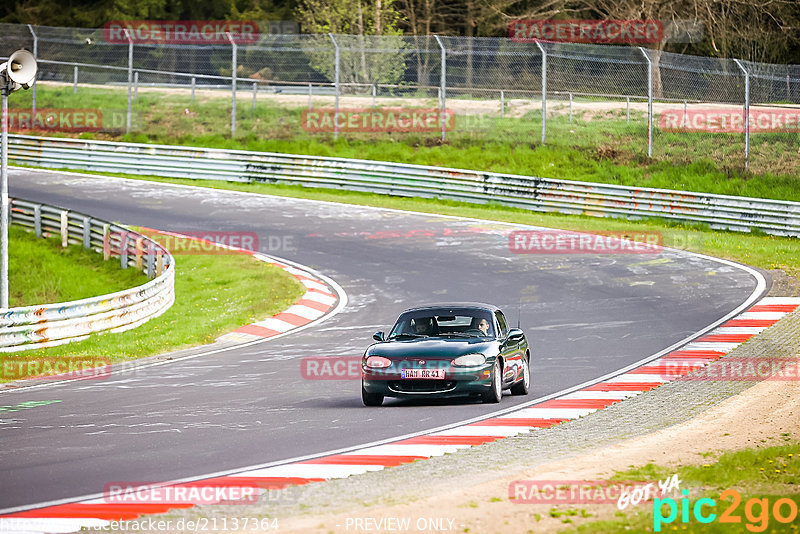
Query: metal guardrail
[538, 194]
[46, 325]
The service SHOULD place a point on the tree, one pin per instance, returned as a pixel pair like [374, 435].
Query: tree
[364, 58]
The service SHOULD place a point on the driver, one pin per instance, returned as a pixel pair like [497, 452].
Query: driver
[483, 326]
[423, 326]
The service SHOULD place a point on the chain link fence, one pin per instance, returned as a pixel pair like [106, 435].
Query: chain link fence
[618, 101]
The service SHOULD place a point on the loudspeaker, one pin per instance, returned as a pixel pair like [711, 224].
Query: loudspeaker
[21, 68]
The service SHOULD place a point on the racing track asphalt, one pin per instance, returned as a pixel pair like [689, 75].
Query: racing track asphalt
[585, 316]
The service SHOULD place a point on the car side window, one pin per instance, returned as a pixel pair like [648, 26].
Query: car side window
[501, 320]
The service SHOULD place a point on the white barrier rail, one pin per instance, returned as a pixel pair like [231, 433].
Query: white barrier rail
[538, 194]
[28, 327]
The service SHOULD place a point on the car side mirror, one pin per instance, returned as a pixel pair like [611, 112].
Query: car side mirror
[378, 336]
[515, 334]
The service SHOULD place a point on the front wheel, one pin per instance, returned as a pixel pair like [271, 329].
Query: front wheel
[523, 386]
[495, 392]
[371, 399]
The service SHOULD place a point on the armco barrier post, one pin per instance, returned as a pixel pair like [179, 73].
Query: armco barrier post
[106, 242]
[649, 103]
[87, 232]
[443, 87]
[746, 112]
[64, 228]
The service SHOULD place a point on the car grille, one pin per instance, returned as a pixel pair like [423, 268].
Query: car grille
[422, 386]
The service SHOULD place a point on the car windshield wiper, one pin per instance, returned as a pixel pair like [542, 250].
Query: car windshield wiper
[407, 335]
[458, 334]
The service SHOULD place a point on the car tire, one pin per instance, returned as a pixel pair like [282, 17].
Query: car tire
[523, 386]
[495, 392]
[371, 399]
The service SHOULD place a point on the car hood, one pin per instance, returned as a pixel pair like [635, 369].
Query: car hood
[433, 348]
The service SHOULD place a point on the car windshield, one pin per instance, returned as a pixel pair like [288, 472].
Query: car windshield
[444, 322]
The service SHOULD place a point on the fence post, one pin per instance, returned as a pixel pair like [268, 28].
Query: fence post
[310, 95]
[374, 92]
[255, 92]
[75, 81]
[193, 82]
[570, 108]
[233, 84]
[136, 85]
[336, 85]
[502, 103]
[746, 113]
[544, 91]
[649, 103]
[443, 86]
[130, 79]
[36, 57]
[628, 108]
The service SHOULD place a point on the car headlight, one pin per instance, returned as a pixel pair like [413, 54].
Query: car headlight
[378, 362]
[470, 360]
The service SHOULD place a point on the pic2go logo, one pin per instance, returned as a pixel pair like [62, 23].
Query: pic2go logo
[756, 511]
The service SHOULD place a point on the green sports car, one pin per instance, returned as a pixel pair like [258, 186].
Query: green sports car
[447, 351]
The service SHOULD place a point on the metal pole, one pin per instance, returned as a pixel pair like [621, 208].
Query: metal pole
[788, 90]
[310, 91]
[502, 103]
[136, 85]
[570, 107]
[192, 100]
[75, 81]
[255, 92]
[649, 103]
[746, 113]
[544, 91]
[336, 85]
[628, 108]
[443, 87]
[685, 114]
[233, 84]
[374, 91]
[130, 80]
[36, 56]
[4, 199]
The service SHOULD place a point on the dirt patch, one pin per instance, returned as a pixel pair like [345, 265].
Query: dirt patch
[783, 285]
[757, 417]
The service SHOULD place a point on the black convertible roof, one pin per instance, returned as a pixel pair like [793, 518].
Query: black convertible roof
[479, 305]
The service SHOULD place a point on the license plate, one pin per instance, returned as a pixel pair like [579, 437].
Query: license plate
[435, 374]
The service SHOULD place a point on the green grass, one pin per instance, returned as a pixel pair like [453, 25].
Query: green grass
[770, 473]
[594, 147]
[213, 295]
[41, 271]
